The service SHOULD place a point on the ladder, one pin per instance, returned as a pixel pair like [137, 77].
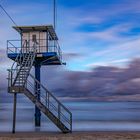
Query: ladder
[21, 81]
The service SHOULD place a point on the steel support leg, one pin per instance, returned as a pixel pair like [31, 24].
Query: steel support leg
[14, 112]
[37, 87]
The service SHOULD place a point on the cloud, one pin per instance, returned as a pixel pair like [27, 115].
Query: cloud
[110, 34]
[104, 82]
[119, 62]
[71, 56]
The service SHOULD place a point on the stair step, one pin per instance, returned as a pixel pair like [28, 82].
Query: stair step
[23, 74]
[24, 69]
[21, 77]
[20, 80]
[19, 83]
[16, 84]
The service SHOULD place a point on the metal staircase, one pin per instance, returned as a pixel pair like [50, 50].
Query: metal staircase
[21, 81]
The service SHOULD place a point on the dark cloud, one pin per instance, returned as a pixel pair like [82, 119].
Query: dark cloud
[69, 56]
[101, 83]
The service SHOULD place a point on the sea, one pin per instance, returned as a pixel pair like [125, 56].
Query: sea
[87, 116]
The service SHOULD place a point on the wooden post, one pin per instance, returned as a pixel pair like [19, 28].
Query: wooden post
[14, 112]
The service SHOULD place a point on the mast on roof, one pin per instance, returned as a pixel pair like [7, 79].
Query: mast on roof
[54, 12]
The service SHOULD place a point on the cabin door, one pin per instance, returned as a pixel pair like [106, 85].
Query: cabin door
[34, 40]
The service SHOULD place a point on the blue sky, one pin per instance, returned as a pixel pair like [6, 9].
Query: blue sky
[91, 33]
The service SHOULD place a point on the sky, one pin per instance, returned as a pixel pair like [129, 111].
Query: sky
[91, 33]
[96, 36]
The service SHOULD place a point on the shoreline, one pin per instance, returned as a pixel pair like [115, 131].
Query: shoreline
[127, 135]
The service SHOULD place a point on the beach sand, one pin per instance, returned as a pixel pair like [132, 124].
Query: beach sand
[73, 136]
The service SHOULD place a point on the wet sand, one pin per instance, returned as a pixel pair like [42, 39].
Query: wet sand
[73, 136]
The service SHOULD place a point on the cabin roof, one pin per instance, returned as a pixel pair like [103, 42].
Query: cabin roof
[44, 28]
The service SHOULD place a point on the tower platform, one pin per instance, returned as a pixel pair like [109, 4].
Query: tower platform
[44, 58]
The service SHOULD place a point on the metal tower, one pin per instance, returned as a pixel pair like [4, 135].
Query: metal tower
[38, 46]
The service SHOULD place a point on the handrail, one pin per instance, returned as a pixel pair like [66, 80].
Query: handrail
[43, 46]
[13, 46]
[16, 66]
[32, 59]
[17, 61]
[52, 105]
[47, 93]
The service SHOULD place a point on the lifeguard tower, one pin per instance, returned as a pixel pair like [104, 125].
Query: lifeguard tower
[38, 46]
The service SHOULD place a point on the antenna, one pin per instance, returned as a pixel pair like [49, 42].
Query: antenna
[54, 12]
[8, 15]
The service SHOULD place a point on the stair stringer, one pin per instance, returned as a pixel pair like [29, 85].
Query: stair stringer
[46, 111]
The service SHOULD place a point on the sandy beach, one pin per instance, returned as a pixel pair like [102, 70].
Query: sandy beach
[73, 136]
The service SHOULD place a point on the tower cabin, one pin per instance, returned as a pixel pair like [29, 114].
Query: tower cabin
[48, 49]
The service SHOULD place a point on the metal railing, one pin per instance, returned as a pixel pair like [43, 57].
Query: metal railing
[15, 66]
[20, 62]
[17, 46]
[50, 101]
